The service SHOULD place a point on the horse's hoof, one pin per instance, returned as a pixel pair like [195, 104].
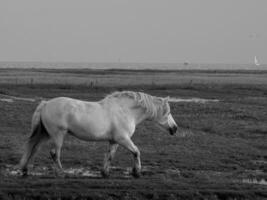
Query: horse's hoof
[104, 174]
[136, 173]
[53, 155]
[24, 173]
[60, 173]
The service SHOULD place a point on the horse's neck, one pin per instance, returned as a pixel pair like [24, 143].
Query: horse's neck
[137, 112]
[139, 115]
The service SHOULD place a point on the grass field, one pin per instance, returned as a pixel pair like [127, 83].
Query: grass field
[220, 151]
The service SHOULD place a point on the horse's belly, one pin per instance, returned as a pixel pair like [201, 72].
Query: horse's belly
[89, 135]
[90, 129]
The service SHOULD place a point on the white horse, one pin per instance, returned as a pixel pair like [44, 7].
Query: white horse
[112, 119]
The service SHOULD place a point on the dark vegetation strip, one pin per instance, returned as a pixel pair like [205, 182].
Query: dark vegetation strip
[126, 71]
[247, 88]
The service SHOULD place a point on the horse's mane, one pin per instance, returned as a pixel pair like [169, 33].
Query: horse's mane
[146, 101]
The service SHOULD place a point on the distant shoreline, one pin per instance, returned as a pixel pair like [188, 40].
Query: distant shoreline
[133, 66]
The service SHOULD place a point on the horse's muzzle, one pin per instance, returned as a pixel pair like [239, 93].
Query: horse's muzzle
[173, 130]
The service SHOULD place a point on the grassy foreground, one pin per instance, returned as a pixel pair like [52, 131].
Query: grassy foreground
[220, 150]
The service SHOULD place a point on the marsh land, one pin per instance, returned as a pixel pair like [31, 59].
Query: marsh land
[219, 152]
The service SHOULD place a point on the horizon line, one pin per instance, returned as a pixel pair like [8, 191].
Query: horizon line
[128, 62]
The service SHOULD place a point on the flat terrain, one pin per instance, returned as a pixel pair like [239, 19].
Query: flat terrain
[220, 151]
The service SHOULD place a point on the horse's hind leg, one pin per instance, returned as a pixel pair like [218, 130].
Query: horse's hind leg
[55, 155]
[56, 152]
[108, 158]
[31, 147]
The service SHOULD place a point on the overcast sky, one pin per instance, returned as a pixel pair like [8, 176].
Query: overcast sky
[200, 31]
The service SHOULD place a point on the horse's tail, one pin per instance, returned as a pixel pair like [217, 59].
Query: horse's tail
[36, 117]
[38, 134]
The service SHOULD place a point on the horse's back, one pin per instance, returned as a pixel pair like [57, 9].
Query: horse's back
[64, 107]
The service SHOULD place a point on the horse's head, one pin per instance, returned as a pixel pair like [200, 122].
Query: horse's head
[164, 117]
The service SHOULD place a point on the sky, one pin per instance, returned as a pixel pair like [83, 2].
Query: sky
[164, 31]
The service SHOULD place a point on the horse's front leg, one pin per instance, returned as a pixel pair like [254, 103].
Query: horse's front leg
[108, 158]
[128, 144]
